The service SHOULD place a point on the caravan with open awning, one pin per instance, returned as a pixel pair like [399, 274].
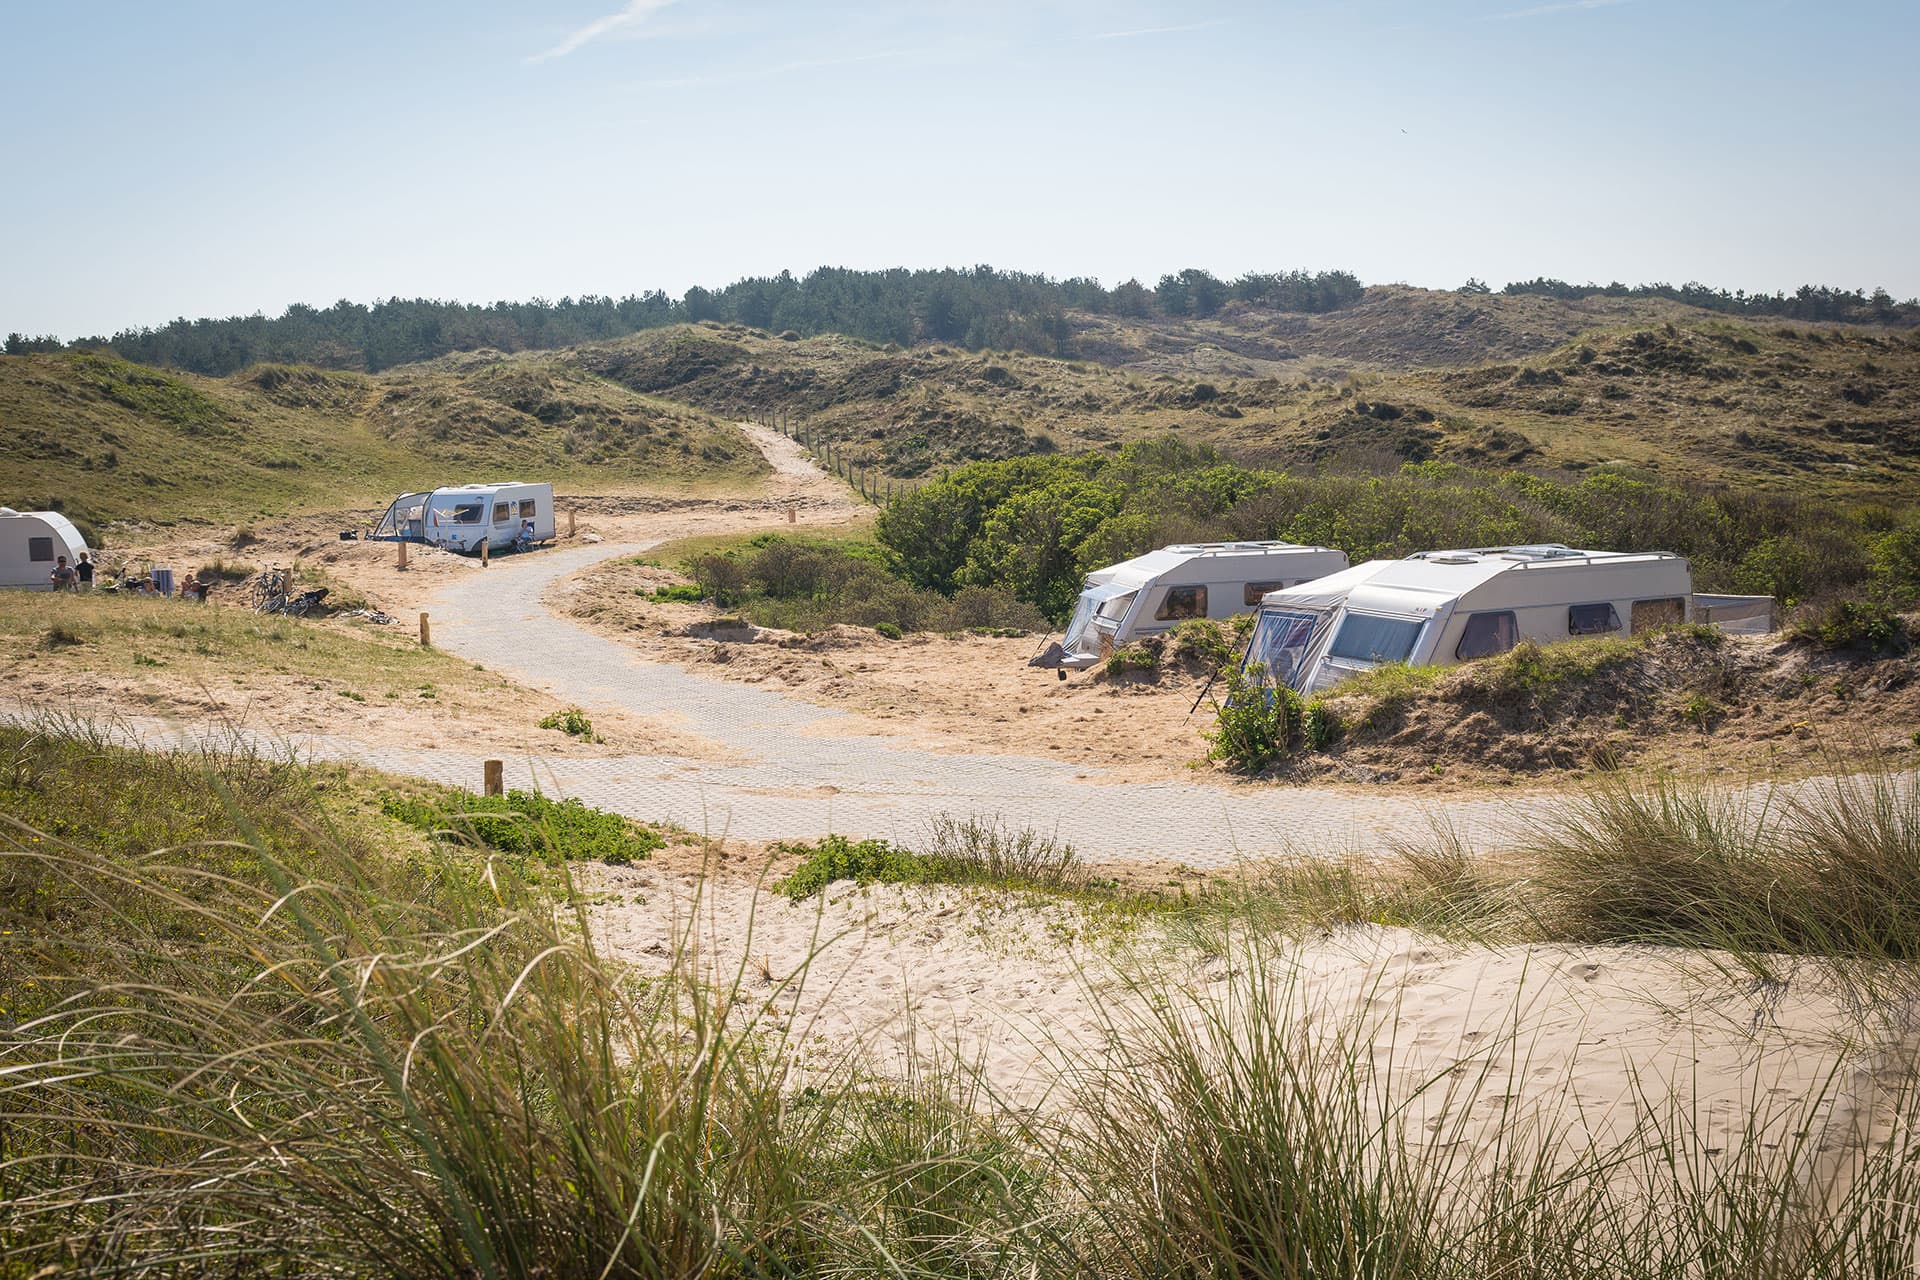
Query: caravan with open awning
[1157, 591]
[1439, 608]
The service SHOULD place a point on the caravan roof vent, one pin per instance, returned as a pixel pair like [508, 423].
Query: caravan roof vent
[1187, 548]
[1454, 557]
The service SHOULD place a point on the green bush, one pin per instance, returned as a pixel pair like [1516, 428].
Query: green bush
[1320, 724]
[532, 826]
[679, 593]
[888, 630]
[837, 858]
[1257, 726]
[1856, 624]
[572, 721]
[1202, 640]
[1132, 657]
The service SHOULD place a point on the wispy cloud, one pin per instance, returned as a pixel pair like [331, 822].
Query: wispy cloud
[778, 69]
[635, 13]
[1562, 6]
[1156, 31]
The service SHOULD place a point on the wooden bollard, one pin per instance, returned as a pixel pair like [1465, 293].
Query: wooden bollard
[426, 633]
[569, 522]
[401, 561]
[792, 515]
[483, 551]
[493, 778]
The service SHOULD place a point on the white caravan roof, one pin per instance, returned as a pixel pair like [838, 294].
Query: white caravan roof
[1229, 557]
[1432, 578]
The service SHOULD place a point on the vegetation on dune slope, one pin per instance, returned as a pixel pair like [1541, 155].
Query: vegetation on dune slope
[1823, 409]
[103, 439]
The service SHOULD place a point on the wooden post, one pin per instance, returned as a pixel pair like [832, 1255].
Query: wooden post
[569, 522]
[426, 633]
[791, 515]
[484, 539]
[401, 562]
[492, 777]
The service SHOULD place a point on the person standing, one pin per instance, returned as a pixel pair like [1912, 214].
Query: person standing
[63, 577]
[84, 570]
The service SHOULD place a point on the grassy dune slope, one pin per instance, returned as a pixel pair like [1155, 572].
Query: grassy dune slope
[1831, 409]
[107, 440]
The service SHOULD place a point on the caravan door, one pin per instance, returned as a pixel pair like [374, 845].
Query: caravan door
[1097, 616]
[1281, 642]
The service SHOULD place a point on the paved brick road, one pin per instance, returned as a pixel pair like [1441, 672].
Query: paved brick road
[792, 783]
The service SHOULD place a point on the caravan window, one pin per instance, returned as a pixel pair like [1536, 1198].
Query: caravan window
[527, 508]
[468, 513]
[1648, 614]
[1592, 620]
[1371, 638]
[1182, 602]
[1488, 634]
[1256, 591]
[502, 512]
[39, 548]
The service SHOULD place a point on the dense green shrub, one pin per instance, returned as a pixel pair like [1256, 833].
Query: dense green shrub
[529, 825]
[1129, 658]
[1856, 624]
[572, 721]
[1257, 726]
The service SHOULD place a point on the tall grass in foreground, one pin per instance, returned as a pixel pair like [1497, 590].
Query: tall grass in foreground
[1829, 867]
[1237, 1130]
[270, 1048]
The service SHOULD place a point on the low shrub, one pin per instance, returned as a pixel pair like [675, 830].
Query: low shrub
[888, 630]
[835, 857]
[679, 593]
[1857, 625]
[1129, 658]
[1319, 724]
[572, 721]
[528, 825]
[1258, 725]
[1201, 641]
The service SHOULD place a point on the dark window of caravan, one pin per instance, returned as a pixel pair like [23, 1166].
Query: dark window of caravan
[1592, 619]
[40, 548]
[1486, 635]
[468, 513]
[1182, 602]
[1371, 638]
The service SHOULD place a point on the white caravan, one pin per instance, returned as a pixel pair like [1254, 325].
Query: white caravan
[1163, 588]
[1444, 607]
[461, 517]
[31, 544]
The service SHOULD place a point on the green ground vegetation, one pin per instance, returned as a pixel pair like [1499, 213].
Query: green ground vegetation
[807, 583]
[70, 639]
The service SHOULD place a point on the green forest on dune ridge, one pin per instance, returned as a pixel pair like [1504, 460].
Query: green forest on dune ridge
[977, 307]
[104, 440]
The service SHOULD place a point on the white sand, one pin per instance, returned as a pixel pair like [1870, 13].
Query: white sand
[1592, 1040]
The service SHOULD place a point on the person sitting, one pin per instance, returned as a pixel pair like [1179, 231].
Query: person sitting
[63, 576]
[85, 570]
[526, 536]
[191, 588]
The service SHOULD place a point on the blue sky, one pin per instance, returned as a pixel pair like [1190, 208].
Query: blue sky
[214, 158]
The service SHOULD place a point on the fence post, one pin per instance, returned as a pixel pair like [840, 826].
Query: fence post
[426, 633]
[569, 522]
[491, 777]
[484, 540]
[401, 562]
